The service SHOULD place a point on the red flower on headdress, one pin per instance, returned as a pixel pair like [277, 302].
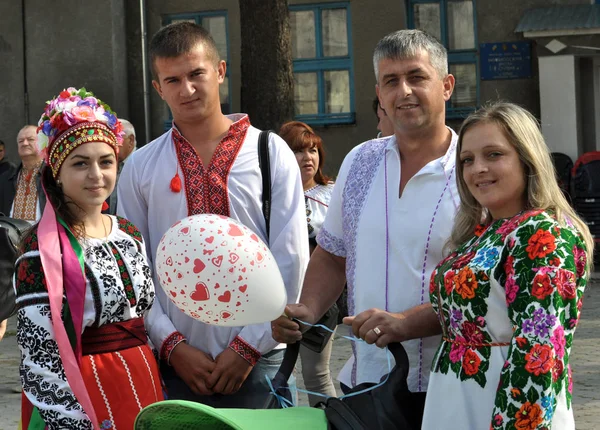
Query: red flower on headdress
[65, 94]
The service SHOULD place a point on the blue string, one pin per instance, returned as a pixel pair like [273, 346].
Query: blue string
[285, 403]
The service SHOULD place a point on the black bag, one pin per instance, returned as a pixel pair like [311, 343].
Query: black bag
[11, 231]
[388, 407]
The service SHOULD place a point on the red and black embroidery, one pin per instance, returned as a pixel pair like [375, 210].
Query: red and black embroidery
[125, 277]
[29, 277]
[245, 350]
[169, 344]
[89, 275]
[127, 227]
[206, 188]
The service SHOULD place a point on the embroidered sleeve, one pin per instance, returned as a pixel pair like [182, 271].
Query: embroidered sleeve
[44, 381]
[545, 275]
[245, 350]
[331, 244]
[169, 345]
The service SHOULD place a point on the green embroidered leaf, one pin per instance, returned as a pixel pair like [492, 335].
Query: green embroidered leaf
[480, 378]
[501, 399]
[512, 411]
[533, 395]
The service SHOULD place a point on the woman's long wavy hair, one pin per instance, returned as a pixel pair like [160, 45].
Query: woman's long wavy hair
[61, 206]
[522, 130]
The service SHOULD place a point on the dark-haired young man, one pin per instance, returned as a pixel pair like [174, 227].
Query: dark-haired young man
[208, 163]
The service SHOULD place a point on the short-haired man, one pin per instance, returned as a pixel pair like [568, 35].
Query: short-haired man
[129, 145]
[5, 165]
[21, 193]
[208, 163]
[390, 214]
[384, 125]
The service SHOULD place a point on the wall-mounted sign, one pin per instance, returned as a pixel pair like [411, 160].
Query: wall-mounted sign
[505, 60]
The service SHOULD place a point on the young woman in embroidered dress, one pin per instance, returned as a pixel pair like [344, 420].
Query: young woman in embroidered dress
[509, 297]
[93, 367]
[308, 148]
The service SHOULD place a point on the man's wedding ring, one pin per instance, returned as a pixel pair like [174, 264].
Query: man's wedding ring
[377, 331]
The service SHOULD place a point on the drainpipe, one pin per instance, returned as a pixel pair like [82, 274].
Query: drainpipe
[146, 83]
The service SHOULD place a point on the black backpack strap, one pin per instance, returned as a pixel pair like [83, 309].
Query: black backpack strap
[265, 169]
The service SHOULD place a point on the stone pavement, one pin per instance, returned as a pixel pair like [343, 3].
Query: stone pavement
[585, 365]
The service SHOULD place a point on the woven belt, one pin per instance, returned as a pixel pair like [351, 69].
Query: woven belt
[114, 337]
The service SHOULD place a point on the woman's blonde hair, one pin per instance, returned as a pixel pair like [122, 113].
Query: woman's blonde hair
[522, 130]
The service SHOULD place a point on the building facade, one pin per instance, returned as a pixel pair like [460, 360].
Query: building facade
[542, 54]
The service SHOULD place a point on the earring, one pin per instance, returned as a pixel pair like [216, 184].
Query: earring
[58, 183]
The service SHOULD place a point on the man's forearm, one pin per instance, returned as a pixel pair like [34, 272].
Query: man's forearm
[324, 281]
[420, 321]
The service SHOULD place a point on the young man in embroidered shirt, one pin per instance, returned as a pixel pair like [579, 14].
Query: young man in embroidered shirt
[21, 194]
[390, 214]
[208, 163]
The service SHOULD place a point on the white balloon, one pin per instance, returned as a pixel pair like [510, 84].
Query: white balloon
[218, 271]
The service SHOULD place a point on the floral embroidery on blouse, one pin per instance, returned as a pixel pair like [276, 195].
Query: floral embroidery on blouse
[541, 267]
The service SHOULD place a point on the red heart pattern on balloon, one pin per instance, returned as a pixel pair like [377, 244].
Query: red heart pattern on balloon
[234, 230]
[173, 293]
[225, 297]
[233, 257]
[201, 293]
[185, 230]
[243, 288]
[210, 239]
[217, 260]
[187, 260]
[217, 286]
[254, 237]
[259, 257]
[179, 275]
[169, 261]
[226, 315]
[198, 265]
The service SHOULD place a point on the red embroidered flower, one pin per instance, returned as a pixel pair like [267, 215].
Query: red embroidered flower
[521, 342]
[22, 272]
[472, 332]
[539, 359]
[509, 265]
[565, 283]
[457, 350]
[557, 370]
[449, 282]
[580, 260]
[554, 261]
[529, 417]
[511, 289]
[471, 362]
[542, 286]
[466, 284]
[515, 392]
[498, 420]
[540, 244]
[432, 283]
[479, 229]
[463, 260]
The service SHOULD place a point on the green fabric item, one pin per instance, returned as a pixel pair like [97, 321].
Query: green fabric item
[36, 422]
[184, 415]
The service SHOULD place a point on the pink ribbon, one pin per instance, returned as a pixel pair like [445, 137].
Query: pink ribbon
[52, 262]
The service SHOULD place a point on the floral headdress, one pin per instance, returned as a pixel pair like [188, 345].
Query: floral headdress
[72, 118]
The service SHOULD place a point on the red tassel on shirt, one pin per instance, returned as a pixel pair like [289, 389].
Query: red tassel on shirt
[176, 183]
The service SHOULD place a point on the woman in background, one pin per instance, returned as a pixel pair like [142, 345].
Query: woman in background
[308, 148]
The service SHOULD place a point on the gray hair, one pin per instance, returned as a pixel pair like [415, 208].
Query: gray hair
[403, 44]
[129, 130]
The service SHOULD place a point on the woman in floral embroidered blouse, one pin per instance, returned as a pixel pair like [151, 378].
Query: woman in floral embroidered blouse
[509, 297]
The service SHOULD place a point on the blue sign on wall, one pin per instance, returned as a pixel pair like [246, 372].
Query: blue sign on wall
[505, 60]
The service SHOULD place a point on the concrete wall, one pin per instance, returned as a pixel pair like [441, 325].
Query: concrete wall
[84, 47]
[12, 103]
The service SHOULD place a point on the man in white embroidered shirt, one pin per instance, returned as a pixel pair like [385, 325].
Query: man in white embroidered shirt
[208, 163]
[390, 214]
